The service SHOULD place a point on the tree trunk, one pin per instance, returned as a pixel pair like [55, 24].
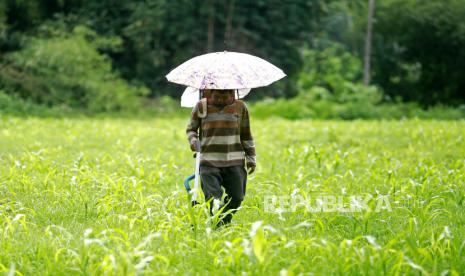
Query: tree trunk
[211, 25]
[368, 42]
[228, 28]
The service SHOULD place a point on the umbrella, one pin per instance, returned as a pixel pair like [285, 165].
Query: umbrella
[225, 70]
[191, 96]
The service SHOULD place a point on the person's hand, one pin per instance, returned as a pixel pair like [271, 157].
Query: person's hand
[250, 167]
[193, 145]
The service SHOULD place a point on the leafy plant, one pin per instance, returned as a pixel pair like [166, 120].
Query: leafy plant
[69, 70]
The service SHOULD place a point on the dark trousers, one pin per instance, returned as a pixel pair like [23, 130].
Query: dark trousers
[233, 179]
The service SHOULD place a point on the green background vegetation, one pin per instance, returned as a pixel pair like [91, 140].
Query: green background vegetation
[107, 56]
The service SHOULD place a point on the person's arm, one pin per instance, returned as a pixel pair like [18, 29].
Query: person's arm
[247, 140]
[192, 128]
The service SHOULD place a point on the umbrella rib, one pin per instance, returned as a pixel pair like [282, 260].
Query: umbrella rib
[207, 72]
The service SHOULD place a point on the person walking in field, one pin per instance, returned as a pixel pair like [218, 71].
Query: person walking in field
[226, 146]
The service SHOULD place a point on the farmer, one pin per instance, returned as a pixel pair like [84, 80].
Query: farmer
[226, 148]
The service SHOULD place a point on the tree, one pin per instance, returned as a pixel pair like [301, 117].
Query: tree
[419, 50]
[367, 55]
[68, 70]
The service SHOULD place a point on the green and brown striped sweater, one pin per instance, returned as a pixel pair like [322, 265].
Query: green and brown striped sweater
[226, 137]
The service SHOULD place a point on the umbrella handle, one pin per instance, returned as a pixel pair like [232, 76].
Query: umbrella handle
[186, 182]
[188, 188]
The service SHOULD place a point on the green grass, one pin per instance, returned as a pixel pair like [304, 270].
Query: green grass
[105, 196]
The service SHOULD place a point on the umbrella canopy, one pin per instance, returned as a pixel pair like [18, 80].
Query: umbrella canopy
[191, 96]
[225, 70]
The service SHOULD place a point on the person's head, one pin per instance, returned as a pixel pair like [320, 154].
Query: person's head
[222, 97]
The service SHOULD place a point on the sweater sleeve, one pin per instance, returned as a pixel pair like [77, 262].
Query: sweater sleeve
[193, 125]
[246, 136]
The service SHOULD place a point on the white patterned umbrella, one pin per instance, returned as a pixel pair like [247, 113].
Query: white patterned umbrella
[225, 70]
[191, 96]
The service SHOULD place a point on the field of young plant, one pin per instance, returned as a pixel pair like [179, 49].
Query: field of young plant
[105, 196]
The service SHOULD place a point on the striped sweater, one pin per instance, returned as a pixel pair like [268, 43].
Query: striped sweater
[226, 137]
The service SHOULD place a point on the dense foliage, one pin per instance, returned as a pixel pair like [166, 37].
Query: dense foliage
[419, 50]
[417, 46]
[68, 70]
